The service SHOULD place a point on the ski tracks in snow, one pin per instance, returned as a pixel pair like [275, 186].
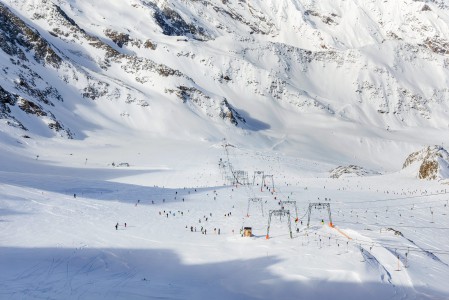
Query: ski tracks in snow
[389, 266]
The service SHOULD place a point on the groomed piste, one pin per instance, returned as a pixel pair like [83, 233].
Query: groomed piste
[180, 232]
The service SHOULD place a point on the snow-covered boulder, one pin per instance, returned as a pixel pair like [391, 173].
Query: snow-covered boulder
[431, 162]
[351, 170]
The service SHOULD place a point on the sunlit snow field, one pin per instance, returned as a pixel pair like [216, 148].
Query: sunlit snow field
[389, 241]
[317, 84]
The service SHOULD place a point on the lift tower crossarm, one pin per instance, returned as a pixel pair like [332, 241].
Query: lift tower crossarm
[280, 213]
[319, 205]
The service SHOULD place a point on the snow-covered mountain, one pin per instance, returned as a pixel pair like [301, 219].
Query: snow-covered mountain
[126, 127]
[296, 74]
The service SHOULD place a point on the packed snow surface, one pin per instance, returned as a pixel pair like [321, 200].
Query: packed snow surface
[60, 201]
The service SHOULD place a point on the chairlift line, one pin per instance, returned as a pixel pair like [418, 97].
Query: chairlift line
[238, 177]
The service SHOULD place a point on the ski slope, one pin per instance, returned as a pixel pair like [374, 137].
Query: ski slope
[389, 241]
[107, 122]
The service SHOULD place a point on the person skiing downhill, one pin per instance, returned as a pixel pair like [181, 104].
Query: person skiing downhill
[116, 226]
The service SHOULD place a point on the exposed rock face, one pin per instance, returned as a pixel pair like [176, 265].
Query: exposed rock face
[437, 45]
[119, 38]
[173, 24]
[209, 105]
[31, 108]
[16, 36]
[6, 100]
[351, 170]
[433, 162]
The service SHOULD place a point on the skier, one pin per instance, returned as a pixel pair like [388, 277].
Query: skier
[74, 195]
[116, 226]
[125, 225]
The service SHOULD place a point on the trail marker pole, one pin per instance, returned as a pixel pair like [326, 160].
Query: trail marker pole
[406, 259]
[431, 212]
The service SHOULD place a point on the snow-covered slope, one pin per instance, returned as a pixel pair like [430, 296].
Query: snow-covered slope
[58, 238]
[295, 73]
[115, 111]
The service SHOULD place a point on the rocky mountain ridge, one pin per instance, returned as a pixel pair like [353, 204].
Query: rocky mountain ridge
[432, 163]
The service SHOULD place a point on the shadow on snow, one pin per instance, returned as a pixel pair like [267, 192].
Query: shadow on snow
[93, 184]
[82, 272]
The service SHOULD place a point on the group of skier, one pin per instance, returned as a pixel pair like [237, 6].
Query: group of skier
[117, 225]
[169, 213]
[204, 230]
